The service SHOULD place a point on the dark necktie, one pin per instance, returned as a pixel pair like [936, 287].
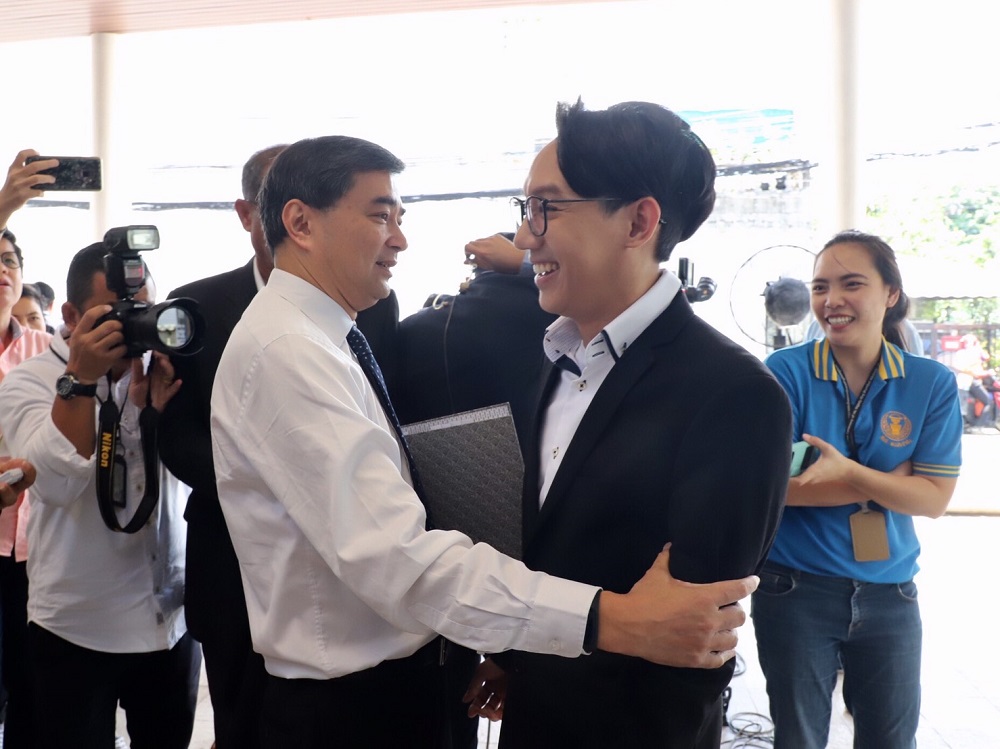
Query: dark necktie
[359, 345]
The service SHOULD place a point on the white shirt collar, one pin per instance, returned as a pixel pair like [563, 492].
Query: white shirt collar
[562, 338]
[323, 311]
[258, 277]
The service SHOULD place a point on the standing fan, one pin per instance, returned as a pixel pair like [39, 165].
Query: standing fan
[769, 295]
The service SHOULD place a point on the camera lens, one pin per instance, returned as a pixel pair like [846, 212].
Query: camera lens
[175, 328]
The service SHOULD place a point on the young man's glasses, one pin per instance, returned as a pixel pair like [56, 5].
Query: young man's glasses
[536, 210]
[10, 260]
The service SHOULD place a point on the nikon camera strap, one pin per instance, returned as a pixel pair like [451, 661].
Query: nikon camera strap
[112, 471]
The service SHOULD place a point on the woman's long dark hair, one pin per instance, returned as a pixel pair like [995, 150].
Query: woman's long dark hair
[884, 258]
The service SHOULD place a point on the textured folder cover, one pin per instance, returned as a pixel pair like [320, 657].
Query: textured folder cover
[471, 470]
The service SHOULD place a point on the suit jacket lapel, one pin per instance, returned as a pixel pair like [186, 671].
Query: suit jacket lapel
[632, 366]
[529, 511]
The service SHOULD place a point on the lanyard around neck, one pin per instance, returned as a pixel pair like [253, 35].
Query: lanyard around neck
[852, 411]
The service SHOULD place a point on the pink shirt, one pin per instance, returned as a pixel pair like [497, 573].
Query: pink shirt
[14, 520]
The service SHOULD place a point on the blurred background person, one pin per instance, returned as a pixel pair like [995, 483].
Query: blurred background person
[17, 343]
[28, 310]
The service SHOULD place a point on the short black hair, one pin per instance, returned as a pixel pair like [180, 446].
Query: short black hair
[47, 293]
[80, 277]
[637, 149]
[319, 172]
[30, 291]
[9, 236]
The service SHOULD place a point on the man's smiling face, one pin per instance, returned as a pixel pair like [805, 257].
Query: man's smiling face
[576, 262]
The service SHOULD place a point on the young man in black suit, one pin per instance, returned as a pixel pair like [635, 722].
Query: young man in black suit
[652, 428]
[214, 604]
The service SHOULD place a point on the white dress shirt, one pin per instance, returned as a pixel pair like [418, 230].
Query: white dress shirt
[106, 591]
[338, 571]
[574, 392]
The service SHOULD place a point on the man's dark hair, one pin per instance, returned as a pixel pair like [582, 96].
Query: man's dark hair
[255, 169]
[9, 236]
[80, 277]
[30, 291]
[319, 172]
[47, 293]
[637, 149]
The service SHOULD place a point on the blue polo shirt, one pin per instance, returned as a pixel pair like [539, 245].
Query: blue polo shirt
[910, 413]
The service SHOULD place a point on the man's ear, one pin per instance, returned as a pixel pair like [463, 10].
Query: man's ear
[297, 218]
[645, 219]
[245, 209]
[71, 316]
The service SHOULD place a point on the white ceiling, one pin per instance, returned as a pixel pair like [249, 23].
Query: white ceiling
[22, 20]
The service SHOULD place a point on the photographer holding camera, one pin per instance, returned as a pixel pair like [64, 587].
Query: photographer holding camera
[105, 612]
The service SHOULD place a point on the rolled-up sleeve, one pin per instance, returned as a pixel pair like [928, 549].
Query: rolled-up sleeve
[26, 422]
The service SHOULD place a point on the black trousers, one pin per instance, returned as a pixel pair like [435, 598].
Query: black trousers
[398, 703]
[80, 690]
[20, 700]
[236, 681]
[216, 615]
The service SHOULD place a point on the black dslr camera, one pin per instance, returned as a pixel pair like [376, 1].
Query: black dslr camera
[174, 327]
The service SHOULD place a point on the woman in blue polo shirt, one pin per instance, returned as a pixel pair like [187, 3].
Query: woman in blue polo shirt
[837, 589]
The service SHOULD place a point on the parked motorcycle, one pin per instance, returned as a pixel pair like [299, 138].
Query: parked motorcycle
[973, 409]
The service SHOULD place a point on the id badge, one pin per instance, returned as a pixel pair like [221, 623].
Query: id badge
[869, 536]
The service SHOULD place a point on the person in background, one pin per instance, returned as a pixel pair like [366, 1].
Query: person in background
[837, 589]
[28, 310]
[48, 301]
[477, 348]
[17, 343]
[480, 347]
[969, 366]
[105, 609]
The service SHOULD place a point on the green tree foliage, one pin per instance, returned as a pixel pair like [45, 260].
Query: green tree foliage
[963, 224]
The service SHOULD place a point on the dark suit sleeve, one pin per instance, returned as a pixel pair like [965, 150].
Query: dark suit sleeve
[185, 438]
[732, 472]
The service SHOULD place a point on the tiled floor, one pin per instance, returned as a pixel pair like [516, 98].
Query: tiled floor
[961, 663]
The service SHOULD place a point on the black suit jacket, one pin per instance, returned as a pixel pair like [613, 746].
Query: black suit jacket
[477, 348]
[213, 595]
[688, 442]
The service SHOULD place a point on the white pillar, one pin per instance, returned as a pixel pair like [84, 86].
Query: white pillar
[847, 153]
[109, 204]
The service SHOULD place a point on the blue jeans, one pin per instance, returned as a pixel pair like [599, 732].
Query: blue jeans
[809, 626]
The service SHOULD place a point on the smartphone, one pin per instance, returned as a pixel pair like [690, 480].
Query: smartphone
[11, 476]
[803, 456]
[78, 173]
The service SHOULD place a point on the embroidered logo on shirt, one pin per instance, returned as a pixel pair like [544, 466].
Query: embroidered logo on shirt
[896, 429]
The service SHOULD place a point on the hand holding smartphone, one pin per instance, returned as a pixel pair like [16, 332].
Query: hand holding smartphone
[74, 173]
[803, 456]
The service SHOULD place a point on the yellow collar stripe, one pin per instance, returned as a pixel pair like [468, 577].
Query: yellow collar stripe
[890, 366]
